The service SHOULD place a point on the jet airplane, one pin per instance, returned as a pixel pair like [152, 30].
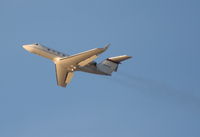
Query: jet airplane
[66, 65]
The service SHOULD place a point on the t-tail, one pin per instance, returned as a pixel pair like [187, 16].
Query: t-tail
[110, 65]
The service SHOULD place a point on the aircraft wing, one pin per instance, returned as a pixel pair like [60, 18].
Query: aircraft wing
[66, 65]
[63, 76]
[83, 58]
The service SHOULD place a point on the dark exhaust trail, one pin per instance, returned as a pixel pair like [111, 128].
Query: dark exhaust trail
[155, 88]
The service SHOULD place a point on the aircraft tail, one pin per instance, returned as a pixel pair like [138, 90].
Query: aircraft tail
[111, 64]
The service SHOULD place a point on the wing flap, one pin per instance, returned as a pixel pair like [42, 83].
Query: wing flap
[69, 77]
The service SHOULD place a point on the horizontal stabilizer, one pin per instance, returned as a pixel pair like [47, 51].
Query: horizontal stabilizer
[119, 59]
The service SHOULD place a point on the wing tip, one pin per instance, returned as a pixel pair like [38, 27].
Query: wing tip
[63, 86]
[107, 46]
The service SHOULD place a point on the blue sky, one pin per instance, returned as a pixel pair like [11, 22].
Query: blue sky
[155, 94]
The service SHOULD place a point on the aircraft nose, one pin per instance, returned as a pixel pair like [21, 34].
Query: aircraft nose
[25, 47]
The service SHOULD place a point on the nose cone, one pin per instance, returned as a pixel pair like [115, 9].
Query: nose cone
[26, 47]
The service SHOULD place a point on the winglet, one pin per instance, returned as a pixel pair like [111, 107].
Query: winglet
[107, 46]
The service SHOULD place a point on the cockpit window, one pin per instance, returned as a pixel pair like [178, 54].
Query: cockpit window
[39, 45]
